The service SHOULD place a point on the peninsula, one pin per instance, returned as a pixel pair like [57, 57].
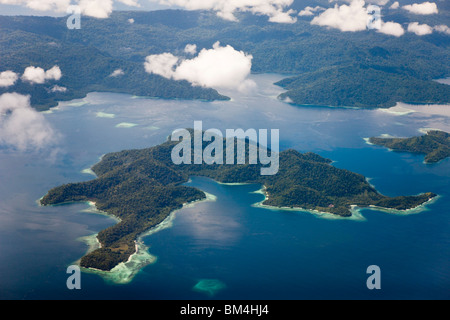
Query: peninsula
[435, 145]
[142, 188]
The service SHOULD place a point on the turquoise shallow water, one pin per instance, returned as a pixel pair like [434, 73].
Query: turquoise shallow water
[229, 249]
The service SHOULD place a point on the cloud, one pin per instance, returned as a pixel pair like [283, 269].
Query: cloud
[309, 11]
[117, 73]
[379, 2]
[395, 5]
[351, 17]
[191, 49]
[8, 78]
[131, 3]
[94, 8]
[21, 126]
[39, 76]
[161, 64]
[57, 88]
[392, 28]
[219, 67]
[276, 10]
[422, 8]
[354, 17]
[442, 28]
[420, 29]
[40, 5]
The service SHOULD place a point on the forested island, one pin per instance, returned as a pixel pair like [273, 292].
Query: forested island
[142, 188]
[435, 145]
[321, 66]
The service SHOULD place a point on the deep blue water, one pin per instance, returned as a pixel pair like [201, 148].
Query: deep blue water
[255, 253]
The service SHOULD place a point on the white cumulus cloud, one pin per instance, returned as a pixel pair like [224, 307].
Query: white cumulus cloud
[395, 5]
[276, 10]
[117, 73]
[161, 64]
[442, 28]
[8, 78]
[96, 8]
[219, 67]
[21, 126]
[191, 49]
[424, 8]
[354, 17]
[309, 11]
[392, 28]
[39, 76]
[420, 29]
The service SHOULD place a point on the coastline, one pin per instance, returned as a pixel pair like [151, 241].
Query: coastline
[125, 272]
[416, 210]
[355, 209]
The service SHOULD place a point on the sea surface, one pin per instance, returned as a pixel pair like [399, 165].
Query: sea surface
[229, 248]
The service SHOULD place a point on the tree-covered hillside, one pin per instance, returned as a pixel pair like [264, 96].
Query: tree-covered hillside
[324, 66]
[435, 145]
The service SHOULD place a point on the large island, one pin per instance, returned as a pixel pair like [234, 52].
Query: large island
[142, 188]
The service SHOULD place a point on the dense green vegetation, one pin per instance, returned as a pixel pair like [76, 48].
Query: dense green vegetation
[323, 66]
[362, 86]
[435, 145]
[142, 187]
[84, 67]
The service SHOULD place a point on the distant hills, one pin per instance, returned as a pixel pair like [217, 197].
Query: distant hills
[322, 66]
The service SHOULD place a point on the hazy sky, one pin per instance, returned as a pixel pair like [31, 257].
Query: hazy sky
[21, 10]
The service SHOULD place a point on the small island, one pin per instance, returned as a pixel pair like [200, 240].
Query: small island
[435, 145]
[143, 187]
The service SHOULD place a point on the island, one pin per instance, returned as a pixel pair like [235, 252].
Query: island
[353, 86]
[435, 145]
[142, 187]
[320, 66]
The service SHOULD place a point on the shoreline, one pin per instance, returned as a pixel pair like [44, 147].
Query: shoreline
[406, 212]
[125, 272]
[355, 209]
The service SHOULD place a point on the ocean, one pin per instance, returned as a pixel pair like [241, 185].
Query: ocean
[228, 248]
